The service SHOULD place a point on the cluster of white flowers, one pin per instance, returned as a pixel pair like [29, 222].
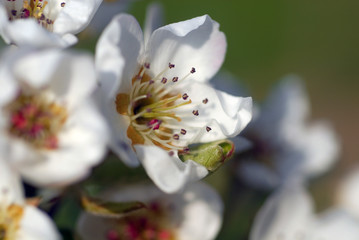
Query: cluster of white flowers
[146, 96]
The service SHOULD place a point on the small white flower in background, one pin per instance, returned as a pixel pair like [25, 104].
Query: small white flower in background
[281, 143]
[45, 23]
[50, 130]
[288, 215]
[19, 220]
[194, 214]
[348, 193]
[157, 98]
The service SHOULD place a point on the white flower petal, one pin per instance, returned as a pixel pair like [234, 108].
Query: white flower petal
[117, 52]
[225, 114]
[10, 184]
[74, 79]
[286, 107]
[285, 215]
[335, 224]
[37, 68]
[194, 43]
[36, 225]
[201, 214]
[82, 145]
[120, 143]
[170, 174]
[320, 147]
[27, 32]
[75, 16]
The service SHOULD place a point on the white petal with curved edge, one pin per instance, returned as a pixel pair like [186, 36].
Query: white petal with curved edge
[194, 43]
[82, 145]
[36, 225]
[225, 114]
[117, 53]
[285, 215]
[10, 184]
[348, 193]
[335, 224]
[27, 32]
[201, 214]
[120, 143]
[75, 16]
[170, 174]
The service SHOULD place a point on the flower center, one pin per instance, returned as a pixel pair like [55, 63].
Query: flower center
[33, 9]
[10, 217]
[36, 120]
[149, 224]
[155, 107]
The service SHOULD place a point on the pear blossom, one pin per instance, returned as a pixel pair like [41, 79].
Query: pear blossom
[289, 215]
[50, 129]
[195, 213]
[19, 220]
[44, 23]
[157, 98]
[280, 143]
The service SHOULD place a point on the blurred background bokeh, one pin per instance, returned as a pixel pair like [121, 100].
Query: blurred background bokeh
[316, 40]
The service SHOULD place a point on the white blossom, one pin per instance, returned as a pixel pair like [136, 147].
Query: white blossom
[50, 129]
[44, 23]
[195, 213]
[157, 98]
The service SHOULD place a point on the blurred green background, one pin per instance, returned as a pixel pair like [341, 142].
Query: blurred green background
[317, 40]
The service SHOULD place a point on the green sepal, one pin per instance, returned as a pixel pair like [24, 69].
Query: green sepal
[211, 155]
[109, 209]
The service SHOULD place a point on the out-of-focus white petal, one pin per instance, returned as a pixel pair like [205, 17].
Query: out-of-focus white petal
[348, 193]
[74, 79]
[202, 213]
[36, 225]
[170, 174]
[286, 107]
[285, 215]
[195, 213]
[82, 145]
[10, 183]
[154, 19]
[28, 33]
[37, 69]
[117, 53]
[75, 16]
[194, 43]
[258, 175]
[320, 147]
[335, 224]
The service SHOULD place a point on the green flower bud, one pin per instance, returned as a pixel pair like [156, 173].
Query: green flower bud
[211, 155]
